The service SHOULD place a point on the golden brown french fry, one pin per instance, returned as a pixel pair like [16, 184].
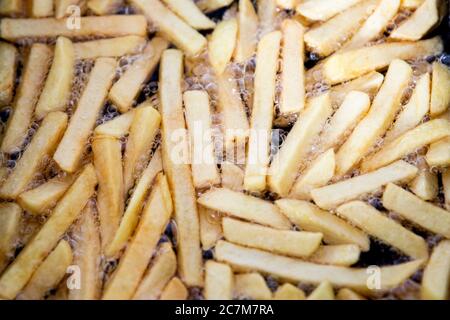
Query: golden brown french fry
[41, 8]
[33, 76]
[62, 7]
[105, 26]
[440, 96]
[378, 120]
[436, 276]
[321, 10]
[222, 44]
[310, 218]
[114, 48]
[70, 150]
[10, 216]
[219, 281]
[324, 291]
[446, 187]
[425, 185]
[104, 7]
[175, 290]
[348, 294]
[64, 214]
[330, 196]
[247, 31]
[41, 147]
[162, 269]
[124, 92]
[177, 170]
[288, 292]
[339, 255]
[232, 176]
[212, 5]
[438, 154]
[12, 8]
[251, 286]
[210, 227]
[267, 11]
[190, 13]
[8, 64]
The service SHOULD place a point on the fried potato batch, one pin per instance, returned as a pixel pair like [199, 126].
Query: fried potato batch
[224, 149]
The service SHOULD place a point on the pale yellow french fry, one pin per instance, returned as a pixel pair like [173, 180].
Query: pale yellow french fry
[339, 255]
[425, 185]
[124, 92]
[210, 227]
[64, 214]
[324, 291]
[222, 44]
[213, 5]
[351, 64]
[49, 273]
[104, 7]
[440, 95]
[10, 216]
[438, 154]
[8, 64]
[377, 121]
[41, 8]
[416, 210]
[408, 142]
[321, 10]
[411, 4]
[62, 7]
[331, 196]
[134, 261]
[177, 170]
[43, 198]
[387, 230]
[288, 292]
[267, 11]
[104, 26]
[135, 204]
[33, 77]
[114, 47]
[12, 8]
[436, 276]
[262, 112]
[70, 150]
[175, 290]
[446, 187]
[292, 99]
[232, 176]
[291, 156]
[247, 31]
[348, 294]
[161, 270]
[297, 270]
[310, 218]
[176, 30]
[41, 147]
[251, 286]
[219, 281]
[244, 206]
[189, 12]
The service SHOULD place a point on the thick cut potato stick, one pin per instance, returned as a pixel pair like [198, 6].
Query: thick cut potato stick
[49, 273]
[387, 230]
[10, 216]
[339, 255]
[124, 92]
[104, 7]
[41, 147]
[212, 5]
[62, 7]
[251, 286]
[288, 292]
[297, 270]
[114, 48]
[134, 261]
[175, 290]
[348, 294]
[416, 210]
[330, 196]
[219, 281]
[293, 151]
[176, 30]
[262, 112]
[8, 64]
[177, 170]
[377, 121]
[105, 26]
[72, 146]
[64, 214]
[56, 91]
[210, 227]
[33, 76]
[440, 95]
[244, 206]
[351, 64]
[189, 12]
[310, 218]
[12, 8]
[41, 8]
[324, 291]
[436, 276]
[425, 185]
[247, 31]
[232, 176]
[321, 10]
[408, 142]
[438, 154]
[221, 45]
[267, 12]
[161, 270]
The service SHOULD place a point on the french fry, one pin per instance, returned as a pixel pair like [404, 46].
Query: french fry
[114, 48]
[222, 44]
[321, 10]
[339, 255]
[440, 96]
[310, 218]
[33, 76]
[134, 261]
[218, 281]
[291, 156]
[425, 17]
[124, 92]
[210, 227]
[288, 292]
[41, 8]
[324, 291]
[135, 204]
[213, 5]
[8, 64]
[12, 8]
[62, 7]
[232, 176]
[104, 7]
[262, 112]
[176, 30]
[438, 154]
[49, 273]
[162, 269]
[378, 120]
[436, 276]
[267, 11]
[41, 147]
[408, 142]
[425, 185]
[190, 13]
[446, 187]
[296, 270]
[56, 91]
[175, 290]
[351, 64]
[71, 148]
[387, 230]
[247, 31]
[348, 294]
[331, 196]
[10, 216]
[251, 286]
[414, 209]
[45, 28]
[64, 214]
[244, 206]
[177, 170]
